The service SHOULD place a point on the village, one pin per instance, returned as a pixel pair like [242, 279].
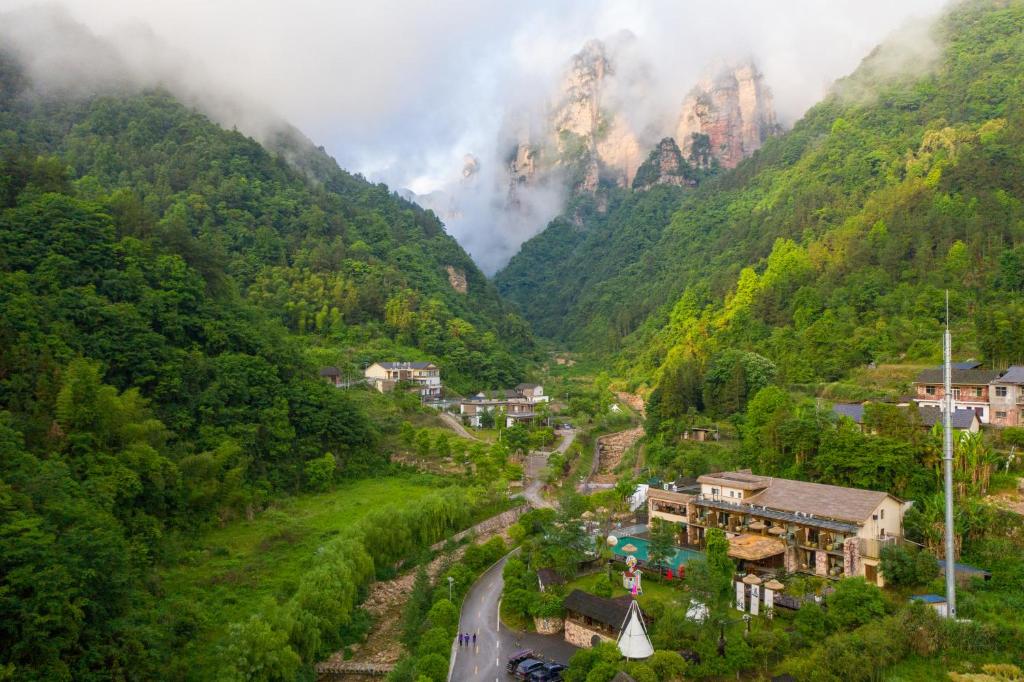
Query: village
[632, 551]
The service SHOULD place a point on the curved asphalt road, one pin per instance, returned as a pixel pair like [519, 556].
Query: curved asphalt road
[494, 642]
[535, 463]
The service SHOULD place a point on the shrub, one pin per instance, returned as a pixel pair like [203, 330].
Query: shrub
[443, 614]
[320, 472]
[433, 667]
[436, 640]
[668, 666]
[855, 602]
[258, 651]
[904, 566]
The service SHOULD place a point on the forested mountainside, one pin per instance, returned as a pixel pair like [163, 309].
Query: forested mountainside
[164, 284]
[831, 246]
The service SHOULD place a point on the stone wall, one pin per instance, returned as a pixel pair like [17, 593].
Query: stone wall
[580, 635]
[548, 626]
[791, 563]
[851, 557]
[495, 523]
[820, 563]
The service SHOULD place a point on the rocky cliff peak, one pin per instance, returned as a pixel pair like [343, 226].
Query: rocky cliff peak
[727, 116]
[665, 165]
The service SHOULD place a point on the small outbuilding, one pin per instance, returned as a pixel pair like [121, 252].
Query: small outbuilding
[937, 602]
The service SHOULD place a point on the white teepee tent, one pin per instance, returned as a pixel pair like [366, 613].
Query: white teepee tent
[633, 640]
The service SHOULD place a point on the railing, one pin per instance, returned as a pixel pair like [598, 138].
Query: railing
[872, 547]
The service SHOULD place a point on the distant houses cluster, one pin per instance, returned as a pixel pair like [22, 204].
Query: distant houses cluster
[425, 377]
[980, 396]
[518, 405]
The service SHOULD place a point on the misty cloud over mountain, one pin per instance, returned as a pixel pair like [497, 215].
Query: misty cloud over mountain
[403, 91]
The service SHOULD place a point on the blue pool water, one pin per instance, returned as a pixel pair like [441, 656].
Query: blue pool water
[681, 556]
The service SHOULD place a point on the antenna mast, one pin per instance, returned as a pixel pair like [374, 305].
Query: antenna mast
[947, 465]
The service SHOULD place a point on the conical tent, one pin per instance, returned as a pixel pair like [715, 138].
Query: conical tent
[633, 640]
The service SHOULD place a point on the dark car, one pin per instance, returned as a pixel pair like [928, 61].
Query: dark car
[551, 672]
[517, 658]
[525, 668]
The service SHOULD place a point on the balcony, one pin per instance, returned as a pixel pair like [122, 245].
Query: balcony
[872, 547]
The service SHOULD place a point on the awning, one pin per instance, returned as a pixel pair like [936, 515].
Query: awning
[755, 547]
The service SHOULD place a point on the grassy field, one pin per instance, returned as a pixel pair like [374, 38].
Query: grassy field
[231, 572]
[667, 593]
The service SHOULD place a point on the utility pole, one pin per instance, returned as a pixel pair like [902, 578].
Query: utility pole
[947, 465]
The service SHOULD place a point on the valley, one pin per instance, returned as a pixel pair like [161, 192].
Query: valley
[654, 388]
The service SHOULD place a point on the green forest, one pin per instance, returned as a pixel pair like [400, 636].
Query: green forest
[182, 496]
[169, 291]
[904, 181]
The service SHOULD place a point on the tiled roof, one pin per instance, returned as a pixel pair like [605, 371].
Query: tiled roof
[611, 612]
[668, 496]
[854, 411]
[962, 419]
[970, 377]
[741, 480]
[547, 576]
[407, 365]
[819, 499]
[1014, 375]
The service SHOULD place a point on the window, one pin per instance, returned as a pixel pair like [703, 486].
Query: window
[1000, 391]
[956, 394]
[1000, 415]
[930, 390]
[977, 392]
[714, 492]
[881, 514]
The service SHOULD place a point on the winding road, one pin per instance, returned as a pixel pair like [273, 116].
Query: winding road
[486, 660]
[455, 425]
[534, 465]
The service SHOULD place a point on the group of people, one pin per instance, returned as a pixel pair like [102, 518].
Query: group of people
[467, 639]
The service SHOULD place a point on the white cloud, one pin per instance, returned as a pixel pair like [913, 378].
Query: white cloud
[401, 90]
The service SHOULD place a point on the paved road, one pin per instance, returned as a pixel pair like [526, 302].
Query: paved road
[494, 642]
[535, 463]
[455, 425]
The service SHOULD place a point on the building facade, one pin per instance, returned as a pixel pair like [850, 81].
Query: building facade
[823, 530]
[384, 376]
[518, 405]
[971, 390]
[1006, 397]
[590, 619]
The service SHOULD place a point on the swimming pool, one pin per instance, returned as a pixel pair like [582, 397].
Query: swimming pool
[681, 556]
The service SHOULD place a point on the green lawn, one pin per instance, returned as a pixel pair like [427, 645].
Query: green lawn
[664, 592]
[232, 572]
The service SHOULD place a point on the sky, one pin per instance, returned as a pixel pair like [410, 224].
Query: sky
[401, 91]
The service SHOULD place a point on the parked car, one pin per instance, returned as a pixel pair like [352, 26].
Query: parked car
[517, 658]
[550, 672]
[527, 667]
